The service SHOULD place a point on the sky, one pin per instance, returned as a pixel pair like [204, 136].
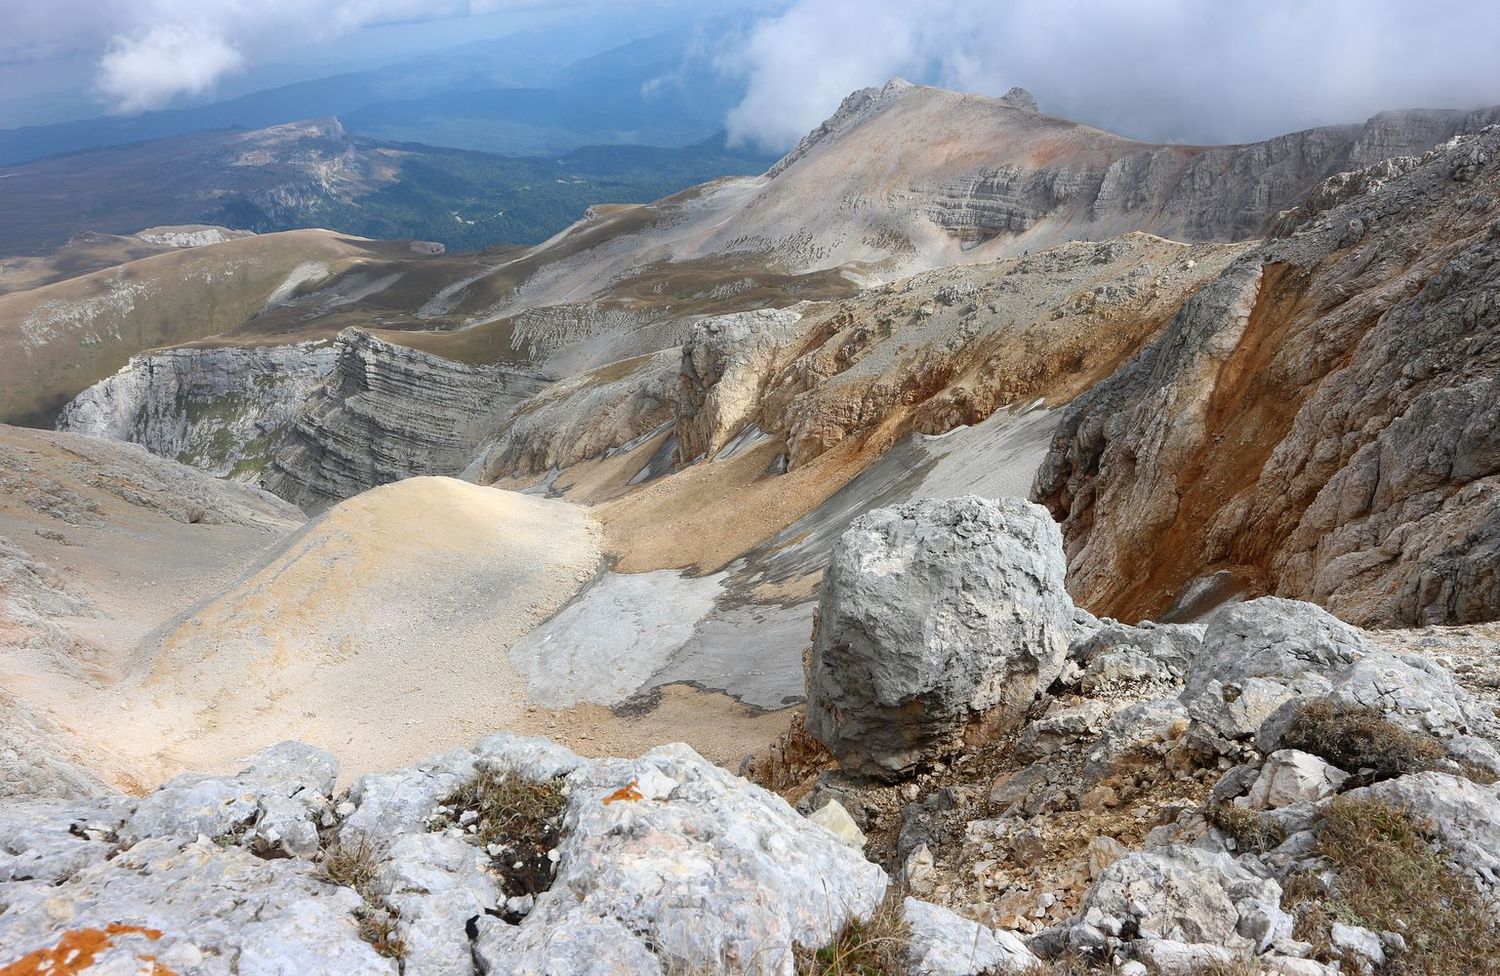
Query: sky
[1163, 70]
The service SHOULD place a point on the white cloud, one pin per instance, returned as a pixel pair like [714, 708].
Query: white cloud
[150, 68]
[1183, 70]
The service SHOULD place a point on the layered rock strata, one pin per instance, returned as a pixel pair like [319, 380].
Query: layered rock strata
[388, 412]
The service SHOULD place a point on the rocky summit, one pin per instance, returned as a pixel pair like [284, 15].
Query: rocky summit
[979, 544]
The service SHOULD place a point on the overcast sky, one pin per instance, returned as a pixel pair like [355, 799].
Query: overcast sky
[1169, 70]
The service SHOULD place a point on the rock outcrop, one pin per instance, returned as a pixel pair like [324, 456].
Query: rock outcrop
[938, 622]
[388, 412]
[1318, 422]
[223, 409]
[661, 863]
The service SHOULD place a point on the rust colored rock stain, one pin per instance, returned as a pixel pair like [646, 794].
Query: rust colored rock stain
[628, 792]
[76, 951]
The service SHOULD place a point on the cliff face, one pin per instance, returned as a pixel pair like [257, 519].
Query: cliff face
[1320, 422]
[223, 410]
[388, 412]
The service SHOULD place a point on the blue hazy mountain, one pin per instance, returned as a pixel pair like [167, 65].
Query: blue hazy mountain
[539, 92]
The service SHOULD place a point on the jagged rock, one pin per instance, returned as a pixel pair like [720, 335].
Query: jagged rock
[664, 861]
[945, 944]
[1166, 957]
[727, 362]
[705, 869]
[1060, 729]
[1260, 654]
[1153, 724]
[1465, 814]
[1290, 776]
[1020, 98]
[222, 409]
[1117, 655]
[1359, 947]
[937, 620]
[220, 909]
[1188, 895]
[271, 806]
[585, 416]
[1344, 398]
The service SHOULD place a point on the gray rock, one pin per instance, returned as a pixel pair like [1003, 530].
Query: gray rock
[946, 944]
[937, 620]
[1167, 957]
[1258, 655]
[1148, 724]
[1188, 895]
[1357, 946]
[1118, 655]
[1290, 776]
[1061, 729]
[222, 409]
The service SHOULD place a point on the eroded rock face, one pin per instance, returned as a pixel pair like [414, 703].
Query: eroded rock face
[388, 412]
[224, 410]
[937, 620]
[727, 363]
[1319, 421]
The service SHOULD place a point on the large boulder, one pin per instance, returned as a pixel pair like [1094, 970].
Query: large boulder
[939, 621]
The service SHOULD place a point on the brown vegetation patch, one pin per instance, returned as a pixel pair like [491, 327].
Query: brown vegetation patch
[355, 864]
[516, 820]
[875, 946]
[1388, 874]
[1355, 738]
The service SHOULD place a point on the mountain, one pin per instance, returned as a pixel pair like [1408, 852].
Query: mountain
[314, 174]
[1084, 551]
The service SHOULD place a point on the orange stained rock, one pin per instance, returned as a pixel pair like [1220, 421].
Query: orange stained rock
[76, 951]
[626, 792]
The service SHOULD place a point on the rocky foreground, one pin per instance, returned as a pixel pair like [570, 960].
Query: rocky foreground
[1269, 791]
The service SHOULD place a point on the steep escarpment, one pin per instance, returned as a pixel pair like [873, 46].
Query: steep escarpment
[221, 409]
[1319, 422]
[388, 412]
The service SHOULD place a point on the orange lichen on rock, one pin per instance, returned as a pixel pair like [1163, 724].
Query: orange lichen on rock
[627, 792]
[77, 950]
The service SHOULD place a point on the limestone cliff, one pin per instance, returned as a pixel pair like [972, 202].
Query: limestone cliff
[223, 409]
[388, 412]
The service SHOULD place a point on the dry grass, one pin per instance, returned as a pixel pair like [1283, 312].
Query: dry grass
[1389, 876]
[1355, 738]
[1077, 964]
[354, 865]
[522, 816]
[873, 947]
[1251, 830]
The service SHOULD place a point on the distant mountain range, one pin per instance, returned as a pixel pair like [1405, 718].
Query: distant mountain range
[315, 174]
[522, 94]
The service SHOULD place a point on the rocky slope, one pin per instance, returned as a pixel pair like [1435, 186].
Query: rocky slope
[99, 543]
[1088, 796]
[1318, 421]
[58, 339]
